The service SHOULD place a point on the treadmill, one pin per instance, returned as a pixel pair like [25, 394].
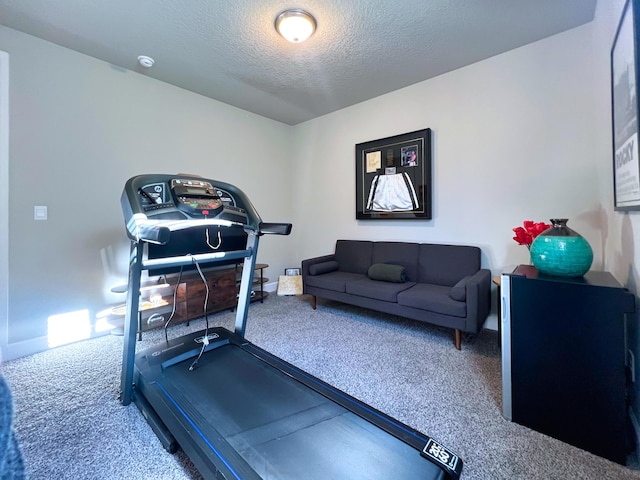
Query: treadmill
[236, 410]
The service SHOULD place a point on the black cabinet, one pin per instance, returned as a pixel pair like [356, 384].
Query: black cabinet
[563, 358]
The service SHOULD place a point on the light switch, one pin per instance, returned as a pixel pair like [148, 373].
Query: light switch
[39, 212]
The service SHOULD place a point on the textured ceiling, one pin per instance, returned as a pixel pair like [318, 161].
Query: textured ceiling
[230, 51]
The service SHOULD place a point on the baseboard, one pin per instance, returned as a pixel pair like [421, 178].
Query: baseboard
[32, 346]
[271, 287]
[11, 351]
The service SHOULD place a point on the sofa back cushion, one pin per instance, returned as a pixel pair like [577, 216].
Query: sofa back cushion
[398, 253]
[446, 264]
[354, 256]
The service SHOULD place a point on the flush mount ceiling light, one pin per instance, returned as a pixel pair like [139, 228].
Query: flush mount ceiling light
[146, 62]
[295, 25]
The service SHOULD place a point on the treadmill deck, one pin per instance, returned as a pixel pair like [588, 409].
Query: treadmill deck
[263, 418]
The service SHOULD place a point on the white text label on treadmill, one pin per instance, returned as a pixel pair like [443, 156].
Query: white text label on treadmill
[439, 453]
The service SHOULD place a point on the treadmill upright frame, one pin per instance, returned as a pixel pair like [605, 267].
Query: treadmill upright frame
[137, 264]
[210, 455]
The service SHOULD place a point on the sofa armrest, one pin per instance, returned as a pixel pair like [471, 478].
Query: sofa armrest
[313, 261]
[478, 300]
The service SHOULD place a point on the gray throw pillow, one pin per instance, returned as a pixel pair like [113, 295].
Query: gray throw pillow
[324, 267]
[459, 290]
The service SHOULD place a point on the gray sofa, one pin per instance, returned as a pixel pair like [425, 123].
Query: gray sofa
[439, 284]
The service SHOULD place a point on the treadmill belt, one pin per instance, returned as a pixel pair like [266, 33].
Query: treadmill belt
[281, 428]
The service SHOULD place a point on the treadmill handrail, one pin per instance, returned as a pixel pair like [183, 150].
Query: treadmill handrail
[177, 261]
[159, 231]
[275, 228]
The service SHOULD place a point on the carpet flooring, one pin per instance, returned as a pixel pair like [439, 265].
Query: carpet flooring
[70, 424]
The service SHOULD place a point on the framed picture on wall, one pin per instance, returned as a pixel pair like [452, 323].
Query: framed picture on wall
[393, 177]
[624, 110]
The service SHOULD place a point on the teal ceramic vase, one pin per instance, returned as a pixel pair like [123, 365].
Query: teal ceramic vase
[560, 251]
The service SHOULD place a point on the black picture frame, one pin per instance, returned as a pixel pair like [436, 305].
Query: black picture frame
[291, 271]
[393, 177]
[624, 110]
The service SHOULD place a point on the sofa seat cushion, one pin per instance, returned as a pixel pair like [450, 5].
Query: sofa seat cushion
[335, 281]
[434, 298]
[385, 291]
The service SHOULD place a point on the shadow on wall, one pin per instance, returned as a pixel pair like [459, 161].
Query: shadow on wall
[624, 261]
[115, 267]
[598, 220]
[627, 255]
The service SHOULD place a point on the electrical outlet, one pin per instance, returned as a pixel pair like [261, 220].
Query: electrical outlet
[632, 365]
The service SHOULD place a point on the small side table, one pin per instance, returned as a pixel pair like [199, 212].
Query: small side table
[262, 294]
[150, 313]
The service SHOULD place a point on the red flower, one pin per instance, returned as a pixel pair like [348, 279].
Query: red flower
[530, 230]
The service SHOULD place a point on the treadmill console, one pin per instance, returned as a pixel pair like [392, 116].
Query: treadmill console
[196, 197]
[183, 197]
[175, 202]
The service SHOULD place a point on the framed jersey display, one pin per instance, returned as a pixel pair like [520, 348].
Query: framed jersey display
[624, 110]
[393, 177]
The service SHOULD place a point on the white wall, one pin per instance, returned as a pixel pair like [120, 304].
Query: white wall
[513, 141]
[620, 230]
[80, 128]
[523, 135]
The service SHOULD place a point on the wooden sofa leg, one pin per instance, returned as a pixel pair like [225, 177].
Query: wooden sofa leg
[458, 339]
[313, 301]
